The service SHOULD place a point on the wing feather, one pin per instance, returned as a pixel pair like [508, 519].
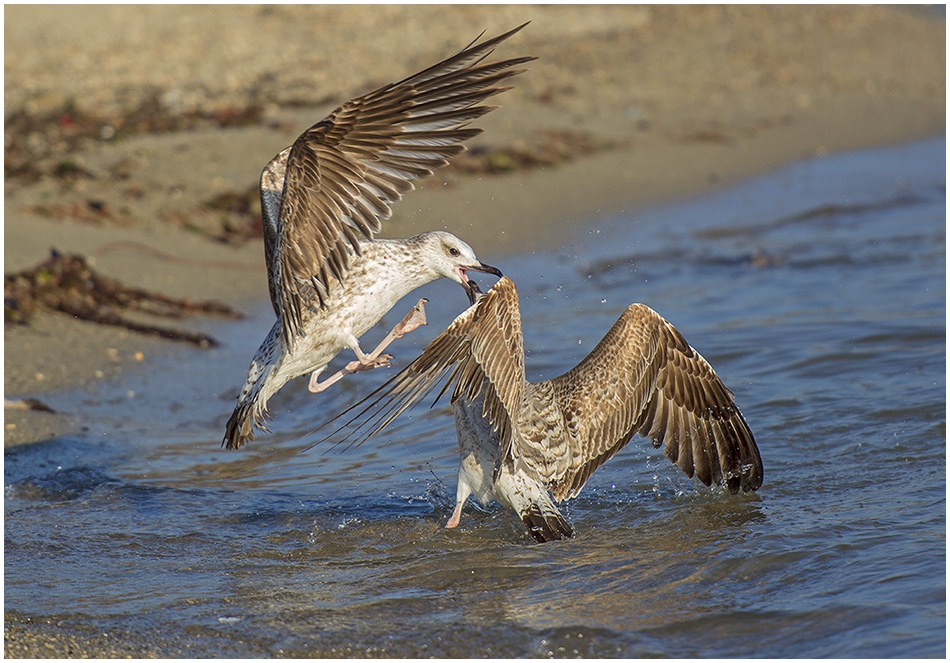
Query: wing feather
[482, 349]
[340, 178]
[643, 377]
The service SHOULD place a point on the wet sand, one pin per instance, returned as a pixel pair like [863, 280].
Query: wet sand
[132, 119]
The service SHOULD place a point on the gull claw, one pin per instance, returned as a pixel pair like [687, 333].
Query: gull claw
[381, 361]
[414, 319]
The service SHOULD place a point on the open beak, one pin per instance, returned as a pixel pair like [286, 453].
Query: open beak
[471, 288]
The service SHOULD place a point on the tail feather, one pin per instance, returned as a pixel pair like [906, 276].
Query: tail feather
[247, 416]
[262, 382]
[545, 522]
[524, 492]
[239, 430]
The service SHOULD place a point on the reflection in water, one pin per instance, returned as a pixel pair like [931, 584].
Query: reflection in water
[818, 294]
[659, 568]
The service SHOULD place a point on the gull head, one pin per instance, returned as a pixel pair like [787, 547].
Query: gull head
[452, 258]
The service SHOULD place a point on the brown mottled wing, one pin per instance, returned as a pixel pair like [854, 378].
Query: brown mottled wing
[343, 174]
[643, 377]
[481, 349]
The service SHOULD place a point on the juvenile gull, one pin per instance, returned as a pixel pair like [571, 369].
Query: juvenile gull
[522, 443]
[324, 199]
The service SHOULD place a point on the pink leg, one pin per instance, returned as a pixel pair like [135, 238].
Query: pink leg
[413, 320]
[456, 517]
[315, 386]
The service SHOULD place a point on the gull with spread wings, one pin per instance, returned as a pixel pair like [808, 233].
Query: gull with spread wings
[522, 443]
[324, 199]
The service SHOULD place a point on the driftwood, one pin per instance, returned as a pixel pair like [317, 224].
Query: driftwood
[68, 284]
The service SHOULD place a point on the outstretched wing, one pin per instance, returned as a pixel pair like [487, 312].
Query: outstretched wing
[481, 349]
[643, 377]
[336, 183]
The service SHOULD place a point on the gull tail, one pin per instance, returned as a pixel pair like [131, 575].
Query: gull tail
[260, 385]
[545, 523]
[240, 428]
[534, 504]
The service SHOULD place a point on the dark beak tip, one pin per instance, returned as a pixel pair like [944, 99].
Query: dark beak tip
[488, 269]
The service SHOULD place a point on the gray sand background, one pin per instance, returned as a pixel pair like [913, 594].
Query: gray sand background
[123, 122]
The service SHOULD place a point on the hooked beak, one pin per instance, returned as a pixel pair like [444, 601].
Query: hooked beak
[488, 269]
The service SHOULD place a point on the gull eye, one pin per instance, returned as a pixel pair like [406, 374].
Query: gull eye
[453, 251]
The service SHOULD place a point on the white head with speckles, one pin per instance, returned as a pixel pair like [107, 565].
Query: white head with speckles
[450, 257]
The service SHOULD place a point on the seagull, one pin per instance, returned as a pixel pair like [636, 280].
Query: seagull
[324, 199]
[528, 445]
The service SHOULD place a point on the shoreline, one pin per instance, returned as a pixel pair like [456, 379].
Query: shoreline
[110, 351]
[633, 116]
[676, 101]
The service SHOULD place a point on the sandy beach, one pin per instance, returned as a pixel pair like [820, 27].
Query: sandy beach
[135, 136]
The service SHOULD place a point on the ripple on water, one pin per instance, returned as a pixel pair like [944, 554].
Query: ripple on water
[818, 293]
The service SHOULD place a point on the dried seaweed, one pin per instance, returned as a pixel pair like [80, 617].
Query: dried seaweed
[67, 283]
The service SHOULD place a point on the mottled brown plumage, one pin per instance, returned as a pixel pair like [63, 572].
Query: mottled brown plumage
[332, 189]
[324, 199]
[520, 439]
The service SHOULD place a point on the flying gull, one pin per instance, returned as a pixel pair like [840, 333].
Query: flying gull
[523, 443]
[324, 199]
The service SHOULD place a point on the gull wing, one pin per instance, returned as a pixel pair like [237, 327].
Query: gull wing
[335, 185]
[643, 377]
[482, 348]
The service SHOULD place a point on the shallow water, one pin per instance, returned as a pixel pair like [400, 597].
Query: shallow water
[817, 292]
